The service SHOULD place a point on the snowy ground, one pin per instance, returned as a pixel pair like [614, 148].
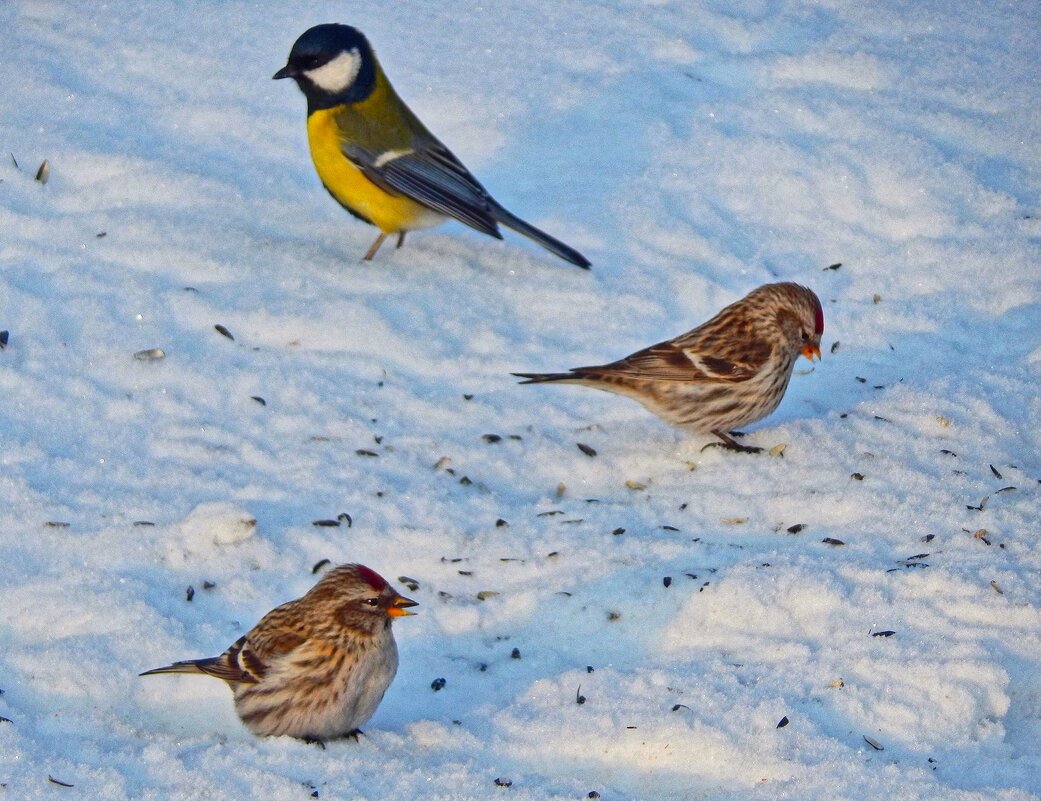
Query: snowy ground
[693, 150]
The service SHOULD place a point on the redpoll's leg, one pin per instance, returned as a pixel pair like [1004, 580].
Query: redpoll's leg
[314, 741]
[729, 443]
[375, 246]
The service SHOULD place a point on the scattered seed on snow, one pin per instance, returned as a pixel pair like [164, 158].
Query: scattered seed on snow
[873, 743]
[220, 329]
[515, 653]
[796, 528]
[4, 337]
[834, 346]
[635, 485]
[782, 722]
[484, 595]
[778, 449]
[258, 399]
[586, 449]
[500, 782]
[994, 470]
[319, 565]
[52, 780]
[886, 633]
[500, 523]
[834, 266]
[832, 541]
[44, 172]
[667, 581]
[325, 523]
[438, 684]
[150, 355]
[579, 698]
[996, 587]
[189, 593]
[366, 452]
[491, 438]
[618, 532]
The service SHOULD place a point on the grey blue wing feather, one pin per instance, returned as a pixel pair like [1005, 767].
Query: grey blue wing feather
[433, 176]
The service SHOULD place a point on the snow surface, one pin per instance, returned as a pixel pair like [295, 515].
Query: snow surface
[693, 150]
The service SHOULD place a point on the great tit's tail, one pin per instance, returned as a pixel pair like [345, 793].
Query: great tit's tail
[566, 252]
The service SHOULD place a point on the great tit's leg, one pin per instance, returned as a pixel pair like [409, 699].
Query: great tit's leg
[401, 239]
[375, 246]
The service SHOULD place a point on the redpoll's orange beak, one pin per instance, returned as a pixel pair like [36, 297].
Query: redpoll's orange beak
[399, 606]
[811, 350]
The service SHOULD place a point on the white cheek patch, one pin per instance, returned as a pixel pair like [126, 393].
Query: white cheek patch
[336, 75]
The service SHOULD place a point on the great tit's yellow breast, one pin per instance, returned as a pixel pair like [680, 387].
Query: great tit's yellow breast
[376, 124]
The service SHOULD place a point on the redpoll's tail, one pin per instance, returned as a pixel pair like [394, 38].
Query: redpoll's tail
[187, 666]
[555, 246]
[542, 378]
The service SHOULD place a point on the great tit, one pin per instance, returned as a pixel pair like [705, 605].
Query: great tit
[374, 155]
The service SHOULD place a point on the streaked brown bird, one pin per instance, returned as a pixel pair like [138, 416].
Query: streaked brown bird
[727, 373]
[317, 667]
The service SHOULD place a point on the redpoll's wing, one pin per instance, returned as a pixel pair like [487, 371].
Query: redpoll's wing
[667, 361]
[230, 666]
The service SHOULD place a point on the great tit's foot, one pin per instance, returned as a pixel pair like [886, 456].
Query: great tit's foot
[375, 247]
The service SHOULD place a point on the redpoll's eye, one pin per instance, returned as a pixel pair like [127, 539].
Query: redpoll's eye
[805, 337]
[372, 601]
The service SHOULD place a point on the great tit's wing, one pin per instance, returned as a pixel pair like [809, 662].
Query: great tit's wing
[430, 175]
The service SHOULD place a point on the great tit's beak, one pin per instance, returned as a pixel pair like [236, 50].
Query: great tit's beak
[811, 350]
[285, 72]
[399, 605]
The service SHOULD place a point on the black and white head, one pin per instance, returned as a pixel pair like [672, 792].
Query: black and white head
[332, 64]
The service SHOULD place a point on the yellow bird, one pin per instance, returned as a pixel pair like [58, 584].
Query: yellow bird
[374, 155]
